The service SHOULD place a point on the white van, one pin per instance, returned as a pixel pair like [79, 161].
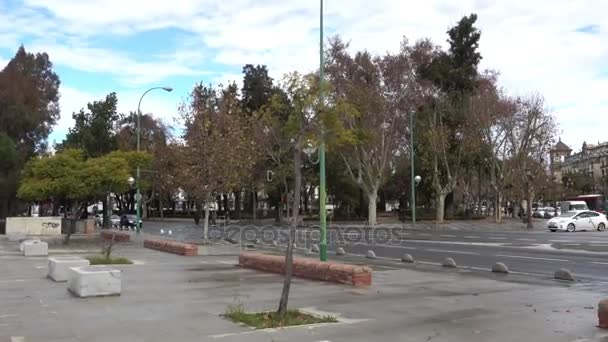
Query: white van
[573, 205]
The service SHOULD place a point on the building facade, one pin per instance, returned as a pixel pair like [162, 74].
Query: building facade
[591, 161]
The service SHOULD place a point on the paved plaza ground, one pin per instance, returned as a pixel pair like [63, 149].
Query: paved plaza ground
[167, 297]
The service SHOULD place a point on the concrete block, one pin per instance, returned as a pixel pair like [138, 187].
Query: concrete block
[59, 267]
[36, 248]
[407, 258]
[448, 262]
[370, 254]
[93, 281]
[340, 251]
[33, 225]
[23, 243]
[314, 249]
[500, 267]
[563, 274]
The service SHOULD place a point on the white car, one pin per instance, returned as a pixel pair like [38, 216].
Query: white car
[578, 220]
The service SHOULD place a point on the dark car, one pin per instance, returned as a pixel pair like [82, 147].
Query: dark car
[132, 219]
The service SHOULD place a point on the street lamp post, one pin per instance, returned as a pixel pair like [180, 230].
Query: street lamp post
[138, 193]
[412, 178]
[322, 194]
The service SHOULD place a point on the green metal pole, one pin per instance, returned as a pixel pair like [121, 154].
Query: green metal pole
[413, 195]
[322, 194]
[138, 195]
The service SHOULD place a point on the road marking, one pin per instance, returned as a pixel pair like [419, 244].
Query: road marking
[17, 339]
[447, 235]
[527, 257]
[12, 280]
[428, 263]
[8, 315]
[424, 234]
[598, 263]
[448, 251]
[497, 238]
[225, 262]
[525, 239]
[471, 237]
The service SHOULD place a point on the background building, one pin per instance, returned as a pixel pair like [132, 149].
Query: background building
[589, 167]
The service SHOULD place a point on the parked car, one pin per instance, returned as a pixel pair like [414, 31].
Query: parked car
[538, 212]
[578, 220]
[132, 218]
[114, 220]
[550, 212]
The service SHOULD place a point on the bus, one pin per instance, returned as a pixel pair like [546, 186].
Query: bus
[594, 202]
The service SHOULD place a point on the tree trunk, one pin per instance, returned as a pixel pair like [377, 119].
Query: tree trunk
[226, 206]
[160, 205]
[440, 198]
[76, 212]
[529, 225]
[497, 206]
[288, 272]
[104, 212]
[237, 204]
[297, 188]
[372, 207]
[254, 207]
[206, 219]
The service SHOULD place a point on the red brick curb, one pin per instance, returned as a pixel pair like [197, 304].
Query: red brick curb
[172, 247]
[309, 268]
[602, 314]
[118, 236]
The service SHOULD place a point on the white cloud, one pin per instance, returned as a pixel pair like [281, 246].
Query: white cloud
[532, 43]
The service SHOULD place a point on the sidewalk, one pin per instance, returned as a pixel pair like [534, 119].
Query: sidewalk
[167, 297]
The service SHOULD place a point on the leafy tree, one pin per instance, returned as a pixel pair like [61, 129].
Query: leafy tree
[8, 170]
[258, 91]
[448, 131]
[154, 136]
[94, 130]
[373, 97]
[218, 152]
[29, 107]
[257, 88]
[69, 176]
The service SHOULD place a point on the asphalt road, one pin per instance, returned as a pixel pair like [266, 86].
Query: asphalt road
[538, 252]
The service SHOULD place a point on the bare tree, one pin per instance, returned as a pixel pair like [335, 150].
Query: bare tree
[530, 134]
[491, 110]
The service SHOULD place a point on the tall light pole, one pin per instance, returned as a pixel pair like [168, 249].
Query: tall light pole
[412, 177]
[322, 194]
[138, 194]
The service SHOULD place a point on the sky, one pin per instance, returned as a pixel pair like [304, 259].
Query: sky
[556, 48]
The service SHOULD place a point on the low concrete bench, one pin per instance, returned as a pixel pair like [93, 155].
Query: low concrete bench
[174, 247]
[309, 268]
[118, 236]
[28, 241]
[35, 248]
[59, 267]
[94, 281]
